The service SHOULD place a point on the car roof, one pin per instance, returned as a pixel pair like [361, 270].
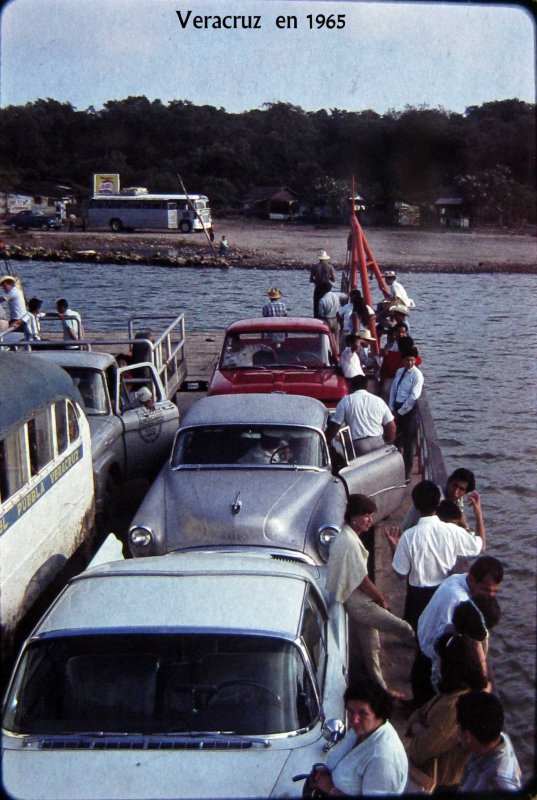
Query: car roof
[306, 324]
[198, 591]
[77, 358]
[274, 408]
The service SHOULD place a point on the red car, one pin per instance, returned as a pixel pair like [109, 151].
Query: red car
[294, 355]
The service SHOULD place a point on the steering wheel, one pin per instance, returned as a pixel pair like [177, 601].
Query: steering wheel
[244, 682]
[311, 358]
[276, 452]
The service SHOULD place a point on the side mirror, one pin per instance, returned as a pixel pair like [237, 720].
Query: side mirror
[333, 731]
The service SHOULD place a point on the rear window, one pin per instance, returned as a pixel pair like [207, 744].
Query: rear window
[300, 349]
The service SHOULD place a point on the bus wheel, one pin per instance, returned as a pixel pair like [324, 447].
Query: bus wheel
[185, 227]
[116, 225]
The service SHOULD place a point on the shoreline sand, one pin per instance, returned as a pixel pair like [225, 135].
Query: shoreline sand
[272, 245]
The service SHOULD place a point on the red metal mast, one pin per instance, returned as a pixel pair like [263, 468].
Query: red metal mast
[361, 259]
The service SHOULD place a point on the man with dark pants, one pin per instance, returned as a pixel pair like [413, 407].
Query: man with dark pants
[323, 276]
[404, 394]
[483, 579]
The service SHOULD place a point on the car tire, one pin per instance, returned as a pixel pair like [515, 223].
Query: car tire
[116, 225]
[185, 227]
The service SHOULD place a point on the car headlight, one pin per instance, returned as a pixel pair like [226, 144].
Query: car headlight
[325, 536]
[140, 536]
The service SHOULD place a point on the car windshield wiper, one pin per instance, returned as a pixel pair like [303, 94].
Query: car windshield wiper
[215, 735]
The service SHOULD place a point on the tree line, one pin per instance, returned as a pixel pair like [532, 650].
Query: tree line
[416, 155]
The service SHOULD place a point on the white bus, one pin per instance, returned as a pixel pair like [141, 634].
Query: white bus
[46, 484]
[162, 211]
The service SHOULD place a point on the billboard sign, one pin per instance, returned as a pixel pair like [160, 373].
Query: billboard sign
[106, 183]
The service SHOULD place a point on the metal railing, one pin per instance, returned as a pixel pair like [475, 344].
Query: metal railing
[430, 460]
[167, 352]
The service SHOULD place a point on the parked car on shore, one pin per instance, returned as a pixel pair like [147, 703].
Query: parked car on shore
[295, 355]
[255, 469]
[33, 219]
[209, 675]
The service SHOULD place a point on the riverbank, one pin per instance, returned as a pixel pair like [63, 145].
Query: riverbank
[274, 246]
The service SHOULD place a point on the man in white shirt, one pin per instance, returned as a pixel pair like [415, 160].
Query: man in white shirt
[404, 394]
[13, 296]
[427, 552]
[396, 290]
[328, 310]
[370, 420]
[33, 318]
[482, 580]
[349, 360]
[71, 321]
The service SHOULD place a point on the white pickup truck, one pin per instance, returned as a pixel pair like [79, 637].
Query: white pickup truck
[128, 439]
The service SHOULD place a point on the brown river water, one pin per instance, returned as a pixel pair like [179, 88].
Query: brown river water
[474, 333]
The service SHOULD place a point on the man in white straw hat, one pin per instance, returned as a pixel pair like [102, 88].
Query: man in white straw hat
[396, 290]
[367, 360]
[275, 307]
[323, 276]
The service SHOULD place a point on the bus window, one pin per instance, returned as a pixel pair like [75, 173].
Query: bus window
[62, 435]
[73, 422]
[15, 466]
[40, 441]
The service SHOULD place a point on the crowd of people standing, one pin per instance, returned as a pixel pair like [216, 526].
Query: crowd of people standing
[454, 738]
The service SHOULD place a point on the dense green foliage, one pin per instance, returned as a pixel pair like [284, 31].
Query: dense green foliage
[413, 155]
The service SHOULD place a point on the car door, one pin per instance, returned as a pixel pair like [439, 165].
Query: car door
[379, 474]
[149, 429]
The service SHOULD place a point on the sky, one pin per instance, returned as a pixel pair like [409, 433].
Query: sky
[385, 55]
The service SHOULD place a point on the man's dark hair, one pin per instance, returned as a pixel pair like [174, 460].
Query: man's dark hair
[357, 382]
[62, 303]
[359, 504]
[34, 304]
[399, 325]
[487, 567]
[490, 608]
[460, 667]
[469, 620]
[350, 338]
[412, 352]
[425, 497]
[463, 474]
[405, 346]
[448, 511]
[369, 691]
[481, 714]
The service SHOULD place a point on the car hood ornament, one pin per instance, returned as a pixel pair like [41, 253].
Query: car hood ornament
[237, 505]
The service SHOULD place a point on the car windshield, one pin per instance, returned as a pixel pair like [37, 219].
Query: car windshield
[90, 384]
[153, 683]
[250, 445]
[282, 349]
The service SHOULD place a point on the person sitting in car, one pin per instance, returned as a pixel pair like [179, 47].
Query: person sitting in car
[268, 450]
